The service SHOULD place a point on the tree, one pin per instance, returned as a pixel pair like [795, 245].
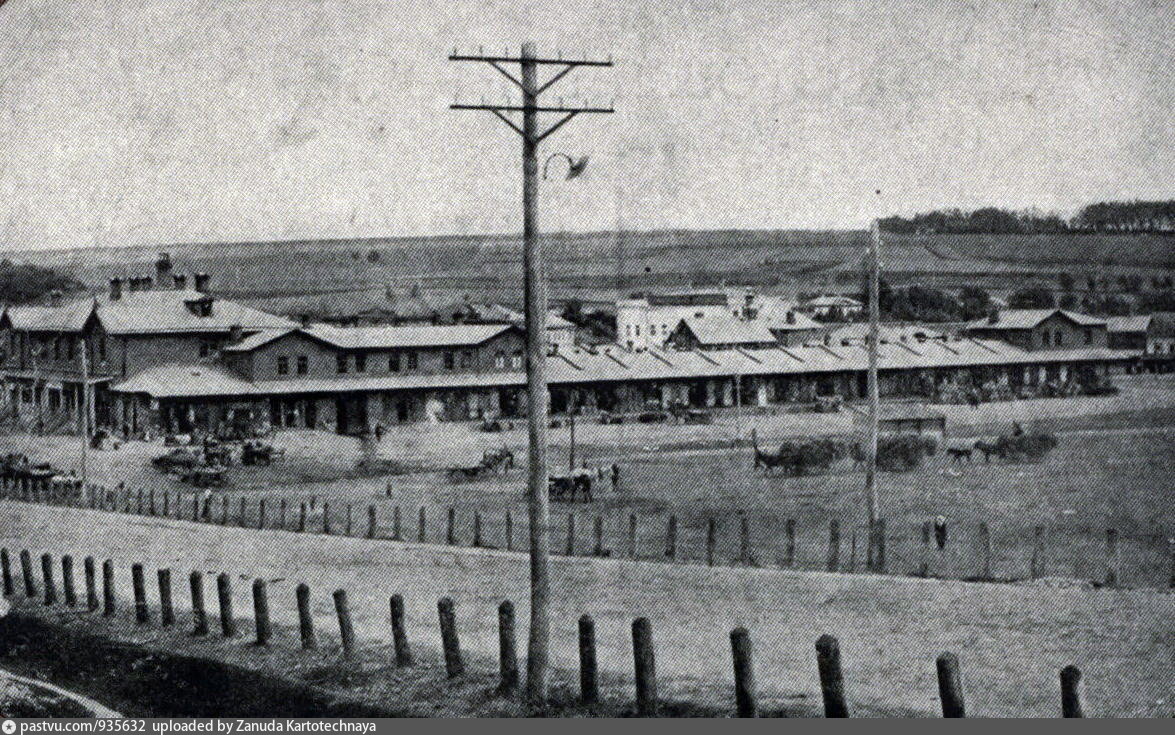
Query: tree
[21, 283]
[1065, 281]
[975, 302]
[1033, 297]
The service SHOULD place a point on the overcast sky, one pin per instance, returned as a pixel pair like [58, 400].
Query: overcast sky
[143, 121]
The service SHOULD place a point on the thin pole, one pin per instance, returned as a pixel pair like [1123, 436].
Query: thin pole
[535, 297]
[871, 499]
[85, 410]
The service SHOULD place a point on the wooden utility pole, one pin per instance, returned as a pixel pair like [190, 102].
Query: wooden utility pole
[535, 297]
[85, 410]
[871, 501]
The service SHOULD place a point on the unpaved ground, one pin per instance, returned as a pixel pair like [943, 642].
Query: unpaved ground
[1012, 640]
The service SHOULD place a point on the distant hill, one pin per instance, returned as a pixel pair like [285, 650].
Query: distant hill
[611, 262]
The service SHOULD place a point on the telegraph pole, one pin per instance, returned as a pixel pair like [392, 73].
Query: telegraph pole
[86, 410]
[871, 500]
[535, 297]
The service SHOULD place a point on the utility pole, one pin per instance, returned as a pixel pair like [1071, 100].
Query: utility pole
[871, 499]
[535, 297]
[86, 409]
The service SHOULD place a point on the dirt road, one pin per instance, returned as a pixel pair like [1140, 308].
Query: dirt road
[1012, 640]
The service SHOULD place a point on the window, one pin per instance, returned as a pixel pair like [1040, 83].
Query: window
[499, 359]
[1088, 336]
[1058, 337]
[467, 358]
[341, 363]
[303, 365]
[394, 362]
[516, 360]
[628, 329]
[448, 360]
[652, 330]
[413, 361]
[283, 365]
[56, 348]
[360, 362]
[71, 348]
[102, 348]
[207, 347]
[664, 329]
[638, 330]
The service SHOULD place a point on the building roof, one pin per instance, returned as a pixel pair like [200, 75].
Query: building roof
[1029, 318]
[858, 331]
[1140, 323]
[688, 298]
[615, 364]
[719, 330]
[142, 312]
[823, 301]
[390, 337]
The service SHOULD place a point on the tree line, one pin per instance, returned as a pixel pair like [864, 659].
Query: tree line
[1106, 217]
[22, 283]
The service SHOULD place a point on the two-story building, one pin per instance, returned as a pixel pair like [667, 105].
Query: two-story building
[1041, 329]
[49, 352]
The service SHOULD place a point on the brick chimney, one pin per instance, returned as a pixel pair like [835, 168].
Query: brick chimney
[200, 281]
[180, 281]
[163, 270]
[55, 297]
[236, 333]
[115, 289]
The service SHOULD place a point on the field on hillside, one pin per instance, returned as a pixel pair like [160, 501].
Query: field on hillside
[598, 266]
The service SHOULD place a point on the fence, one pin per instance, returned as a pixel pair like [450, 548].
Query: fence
[646, 702]
[979, 552]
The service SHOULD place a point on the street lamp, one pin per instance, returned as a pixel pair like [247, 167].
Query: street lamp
[575, 166]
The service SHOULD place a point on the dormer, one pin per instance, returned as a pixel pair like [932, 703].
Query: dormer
[201, 307]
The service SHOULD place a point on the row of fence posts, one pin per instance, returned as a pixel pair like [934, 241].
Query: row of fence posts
[145, 503]
[828, 655]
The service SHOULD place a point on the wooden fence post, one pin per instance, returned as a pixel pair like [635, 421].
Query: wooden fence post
[26, 570]
[1071, 692]
[671, 538]
[1171, 555]
[950, 686]
[924, 564]
[589, 684]
[789, 541]
[261, 514]
[711, 540]
[396, 524]
[1037, 553]
[347, 521]
[47, 579]
[832, 682]
[139, 502]
[881, 544]
[224, 594]
[598, 532]
[477, 529]
[196, 509]
[305, 619]
[448, 618]
[166, 609]
[746, 704]
[833, 545]
[371, 521]
[570, 550]
[326, 517]
[199, 614]
[242, 512]
[302, 517]
[644, 667]
[142, 615]
[346, 630]
[388, 490]
[91, 584]
[985, 549]
[1111, 557]
[451, 527]
[67, 589]
[224, 510]
[509, 530]
[399, 632]
[107, 588]
[151, 500]
[6, 572]
[261, 612]
[507, 653]
[166, 504]
[420, 529]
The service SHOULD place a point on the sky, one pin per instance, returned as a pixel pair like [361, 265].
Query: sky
[137, 122]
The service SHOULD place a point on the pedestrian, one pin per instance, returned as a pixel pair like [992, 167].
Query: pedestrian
[379, 432]
[940, 532]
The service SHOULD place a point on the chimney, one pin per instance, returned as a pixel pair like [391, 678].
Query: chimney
[115, 289]
[180, 281]
[163, 269]
[201, 282]
[791, 317]
[55, 297]
[304, 319]
[236, 333]
[993, 317]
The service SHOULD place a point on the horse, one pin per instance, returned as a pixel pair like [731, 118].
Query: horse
[959, 449]
[763, 459]
[990, 445]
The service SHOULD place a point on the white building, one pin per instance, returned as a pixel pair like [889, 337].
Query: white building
[648, 321]
[837, 307]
